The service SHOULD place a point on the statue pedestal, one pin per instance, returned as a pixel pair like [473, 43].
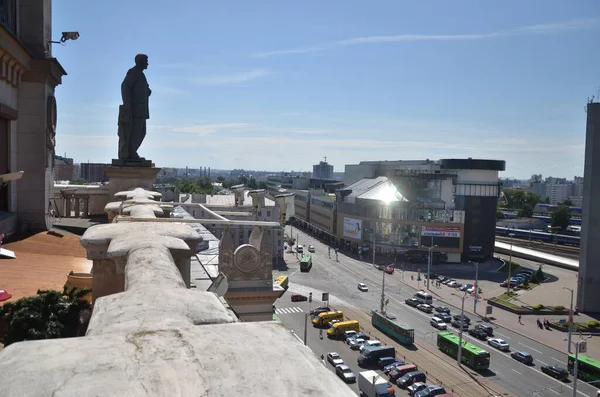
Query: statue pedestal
[124, 178]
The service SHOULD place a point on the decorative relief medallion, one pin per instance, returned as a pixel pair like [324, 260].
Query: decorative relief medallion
[247, 259]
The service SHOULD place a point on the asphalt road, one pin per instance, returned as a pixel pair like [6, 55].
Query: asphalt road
[340, 279]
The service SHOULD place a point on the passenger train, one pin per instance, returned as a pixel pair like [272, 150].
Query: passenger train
[538, 236]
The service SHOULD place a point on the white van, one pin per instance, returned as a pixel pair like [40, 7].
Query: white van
[424, 297]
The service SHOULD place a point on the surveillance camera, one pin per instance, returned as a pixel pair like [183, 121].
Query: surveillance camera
[70, 35]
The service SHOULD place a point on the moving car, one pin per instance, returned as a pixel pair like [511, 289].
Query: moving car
[438, 323]
[299, 249]
[344, 372]
[299, 298]
[463, 318]
[555, 371]
[363, 287]
[488, 329]
[334, 359]
[523, 357]
[442, 309]
[478, 333]
[312, 249]
[408, 379]
[460, 324]
[412, 302]
[447, 318]
[390, 269]
[320, 309]
[499, 344]
[425, 308]
[430, 391]
[415, 387]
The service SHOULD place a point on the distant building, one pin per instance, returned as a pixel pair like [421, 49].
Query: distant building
[64, 169]
[323, 170]
[93, 172]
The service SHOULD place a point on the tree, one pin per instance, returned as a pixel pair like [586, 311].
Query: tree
[518, 198]
[567, 202]
[47, 315]
[538, 276]
[547, 200]
[221, 178]
[526, 211]
[499, 215]
[252, 184]
[262, 185]
[560, 217]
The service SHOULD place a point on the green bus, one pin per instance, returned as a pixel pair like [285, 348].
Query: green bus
[471, 355]
[306, 263]
[588, 369]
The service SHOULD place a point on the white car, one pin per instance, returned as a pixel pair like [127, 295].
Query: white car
[499, 344]
[356, 344]
[311, 248]
[334, 359]
[415, 387]
[454, 284]
[425, 308]
[344, 372]
[438, 323]
[363, 287]
[369, 343]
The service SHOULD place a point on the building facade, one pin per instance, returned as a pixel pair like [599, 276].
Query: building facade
[64, 169]
[94, 172]
[323, 170]
[28, 77]
[588, 299]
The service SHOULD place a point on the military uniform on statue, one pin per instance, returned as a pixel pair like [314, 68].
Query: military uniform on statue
[133, 114]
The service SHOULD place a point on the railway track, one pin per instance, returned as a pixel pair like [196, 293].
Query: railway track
[560, 250]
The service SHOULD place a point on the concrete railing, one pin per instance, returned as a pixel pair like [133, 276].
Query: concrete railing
[149, 335]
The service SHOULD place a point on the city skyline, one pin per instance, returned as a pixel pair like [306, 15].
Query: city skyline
[231, 83]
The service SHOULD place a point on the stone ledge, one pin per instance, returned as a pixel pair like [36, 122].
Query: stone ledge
[131, 311]
[239, 359]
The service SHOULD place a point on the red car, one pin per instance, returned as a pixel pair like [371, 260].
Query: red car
[389, 270]
[299, 298]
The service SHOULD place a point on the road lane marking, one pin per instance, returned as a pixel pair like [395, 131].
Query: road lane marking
[517, 371]
[499, 334]
[540, 361]
[554, 391]
[529, 347]
[556, 359]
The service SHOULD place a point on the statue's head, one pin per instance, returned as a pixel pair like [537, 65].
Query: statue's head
[141, 61]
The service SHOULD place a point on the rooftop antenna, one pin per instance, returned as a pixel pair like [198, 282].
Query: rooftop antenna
[325, 158]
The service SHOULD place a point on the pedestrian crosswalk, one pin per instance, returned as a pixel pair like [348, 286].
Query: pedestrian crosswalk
[289, 310]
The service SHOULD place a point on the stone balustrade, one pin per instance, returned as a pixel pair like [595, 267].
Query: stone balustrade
[149, 335]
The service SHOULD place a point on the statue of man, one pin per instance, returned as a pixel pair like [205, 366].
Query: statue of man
[134, 112]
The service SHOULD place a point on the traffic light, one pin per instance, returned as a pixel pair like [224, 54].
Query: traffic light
[310, 297]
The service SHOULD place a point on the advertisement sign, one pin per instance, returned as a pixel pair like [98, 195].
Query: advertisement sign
[353, 228]
[440, 231]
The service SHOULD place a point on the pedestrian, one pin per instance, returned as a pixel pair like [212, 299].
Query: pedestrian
[321, 334]
[520, 319]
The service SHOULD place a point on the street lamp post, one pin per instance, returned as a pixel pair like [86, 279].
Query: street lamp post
[511, 235]
[476, 285]
[570, 318]
[382, 305]
[462, 313]
[578, 345]
[429, 261]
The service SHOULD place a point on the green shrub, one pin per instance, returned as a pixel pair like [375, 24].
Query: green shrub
[593, 324]
[559, 308]
[537, 307]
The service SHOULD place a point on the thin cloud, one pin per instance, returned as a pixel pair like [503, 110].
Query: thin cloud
[199, 130]
[539, 29]
[180, 65]
[164, 89]
[231, 78]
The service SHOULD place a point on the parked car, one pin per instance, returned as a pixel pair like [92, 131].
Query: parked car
[334, 359]
[344, 372]
[299, 298]
[412, 302]
[363, 287]
[556, 372]
[465, 287]
[393, 365]
[454, 284]
[359, 335]
[446, 281]
[356, 344]
[447, 318]
[442, 309]
[523, 357]
[385, 361]
[349, 335]
[471, 290]
[499, 344]
[478, 333]
[311, 248]
[415, 387]
[430, 391]
[438, 323]
[333, 322]
[408, 379]
[425, 308]
[464, 318]
[320, 309]
[369, 343]
[460, 324]
[488, 329]
[431, 276]
[390, 269]
[512, 284]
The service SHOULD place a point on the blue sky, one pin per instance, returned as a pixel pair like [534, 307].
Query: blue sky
[278, 85]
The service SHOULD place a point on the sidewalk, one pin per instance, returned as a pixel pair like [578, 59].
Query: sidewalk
[551, 338]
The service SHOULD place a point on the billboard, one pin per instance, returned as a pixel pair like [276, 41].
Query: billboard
[440, 231]
[352, 228]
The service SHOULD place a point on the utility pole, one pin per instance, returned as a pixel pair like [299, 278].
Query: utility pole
[570, 319]
[462, 313]
[382, 306]
[511, 235]
[476, 287]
